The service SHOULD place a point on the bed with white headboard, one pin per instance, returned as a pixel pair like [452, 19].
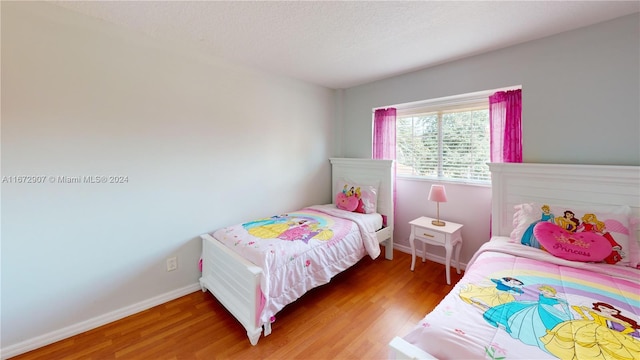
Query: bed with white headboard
[552, 294]
[560, 184]
[370, 171]
[255, 285]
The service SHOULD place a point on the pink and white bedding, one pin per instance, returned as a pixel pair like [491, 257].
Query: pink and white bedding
[301, 250]
[518, 302]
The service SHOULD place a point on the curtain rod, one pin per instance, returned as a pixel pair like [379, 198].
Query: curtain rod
[449, 100]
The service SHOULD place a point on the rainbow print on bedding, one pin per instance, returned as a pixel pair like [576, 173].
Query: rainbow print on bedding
[518, 302]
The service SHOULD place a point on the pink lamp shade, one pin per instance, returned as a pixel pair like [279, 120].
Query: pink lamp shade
[437, 193]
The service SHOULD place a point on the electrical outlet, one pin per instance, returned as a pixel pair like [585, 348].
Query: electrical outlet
[172, 263]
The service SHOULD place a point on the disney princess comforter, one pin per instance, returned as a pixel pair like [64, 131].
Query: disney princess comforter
[301, 250]
[518, 302]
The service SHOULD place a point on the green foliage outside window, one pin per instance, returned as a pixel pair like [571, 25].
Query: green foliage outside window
[447, 145]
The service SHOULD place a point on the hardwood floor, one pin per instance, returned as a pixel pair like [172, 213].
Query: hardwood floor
[353, 317]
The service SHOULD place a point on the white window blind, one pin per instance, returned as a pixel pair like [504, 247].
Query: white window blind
[445, 140]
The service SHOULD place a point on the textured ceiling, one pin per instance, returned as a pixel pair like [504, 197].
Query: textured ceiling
[340, 44]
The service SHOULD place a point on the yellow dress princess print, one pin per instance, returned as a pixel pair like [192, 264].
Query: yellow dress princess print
[485, 297]
[591, 338]
[269, 231]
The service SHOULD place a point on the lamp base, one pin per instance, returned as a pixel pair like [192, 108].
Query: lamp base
[438, 223]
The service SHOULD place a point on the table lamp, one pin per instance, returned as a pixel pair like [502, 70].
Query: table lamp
[438, 194]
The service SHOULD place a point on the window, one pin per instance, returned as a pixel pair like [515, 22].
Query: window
[445, 140]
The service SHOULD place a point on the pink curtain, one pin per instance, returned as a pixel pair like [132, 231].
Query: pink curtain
[384, 134]
[384, 142]
[505, 117]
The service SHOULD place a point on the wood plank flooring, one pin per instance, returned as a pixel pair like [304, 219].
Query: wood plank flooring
[353, 317]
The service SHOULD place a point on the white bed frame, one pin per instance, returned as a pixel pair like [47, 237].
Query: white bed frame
[235, 282]
[515, 183]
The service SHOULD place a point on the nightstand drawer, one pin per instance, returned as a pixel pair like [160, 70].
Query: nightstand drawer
[430, 235]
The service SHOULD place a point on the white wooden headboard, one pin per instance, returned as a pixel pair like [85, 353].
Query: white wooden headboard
[516, 183]
[365, 171]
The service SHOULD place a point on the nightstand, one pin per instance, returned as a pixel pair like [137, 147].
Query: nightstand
[449, 236]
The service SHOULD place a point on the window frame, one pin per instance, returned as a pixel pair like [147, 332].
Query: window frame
[440, 106]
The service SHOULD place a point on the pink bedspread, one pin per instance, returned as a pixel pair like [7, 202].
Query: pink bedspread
[301, 250]
[517, 302]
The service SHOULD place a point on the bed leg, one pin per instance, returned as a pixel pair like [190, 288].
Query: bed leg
[253, 337]
[267, 329]
[202, 287]
[388, 249]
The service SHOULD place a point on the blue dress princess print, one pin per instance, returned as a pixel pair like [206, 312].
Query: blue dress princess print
[527, 321]
[528, 238]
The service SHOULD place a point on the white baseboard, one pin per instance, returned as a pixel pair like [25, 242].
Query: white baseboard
[434, 258]
[57, 335]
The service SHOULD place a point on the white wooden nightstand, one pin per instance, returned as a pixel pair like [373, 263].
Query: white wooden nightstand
[449, 236]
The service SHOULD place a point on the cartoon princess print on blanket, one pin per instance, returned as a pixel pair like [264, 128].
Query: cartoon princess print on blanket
[528, 320]
[594, 335]
[485, 297]
[562, 320]
[294, 226]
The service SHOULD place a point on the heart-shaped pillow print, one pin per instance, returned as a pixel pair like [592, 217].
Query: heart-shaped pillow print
[344, 202]
[580, 246]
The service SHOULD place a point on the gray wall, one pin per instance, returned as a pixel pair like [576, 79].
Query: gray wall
[580, 92]
[204, 144]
